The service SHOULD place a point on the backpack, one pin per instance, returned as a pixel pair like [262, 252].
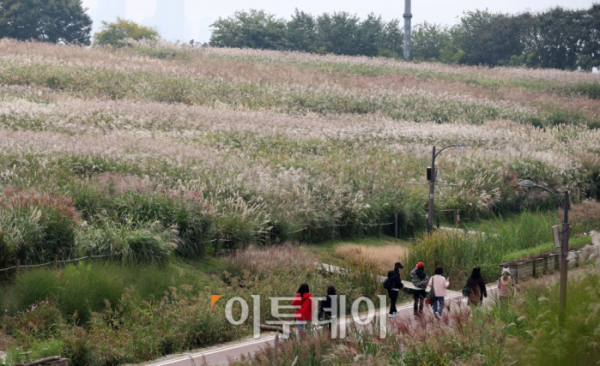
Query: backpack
[431, 294]
[387, 284]
[466, 291]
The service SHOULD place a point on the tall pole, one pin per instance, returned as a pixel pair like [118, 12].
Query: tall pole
[563, 260]
[431, 191]
[407, 28]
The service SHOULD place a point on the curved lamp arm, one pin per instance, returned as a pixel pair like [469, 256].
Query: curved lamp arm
[554, 194]
[460, 144]
[530, 184]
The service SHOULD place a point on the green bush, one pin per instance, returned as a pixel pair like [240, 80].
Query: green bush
[36, 228]
[117, 33]
[83, 288]
[144, 246]
[546, 248]
[459, 252]
[77, 290]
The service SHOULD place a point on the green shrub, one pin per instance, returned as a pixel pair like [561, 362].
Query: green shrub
[40, 320]
[575, 242]
[145, 246]
[38, 350]
[36, 228]
[459, 252]
[77, 289]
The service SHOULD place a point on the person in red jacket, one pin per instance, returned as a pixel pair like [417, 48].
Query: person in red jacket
[303, 301]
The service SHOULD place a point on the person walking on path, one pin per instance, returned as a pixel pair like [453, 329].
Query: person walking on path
[477, 288]
[438, 284]
[327, 311]
[394, 286]
[303, 301]
[419, 279]
[506, 285]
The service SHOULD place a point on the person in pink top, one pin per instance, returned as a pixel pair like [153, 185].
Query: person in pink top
[506, 285]
[439, 284]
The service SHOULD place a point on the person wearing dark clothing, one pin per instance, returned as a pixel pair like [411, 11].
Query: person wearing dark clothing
[477, 288]
[327, 312]
[419, 279]
[395, 285]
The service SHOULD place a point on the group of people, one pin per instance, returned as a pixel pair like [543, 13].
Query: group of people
[438, 284]
[303, 301]
[474, 289]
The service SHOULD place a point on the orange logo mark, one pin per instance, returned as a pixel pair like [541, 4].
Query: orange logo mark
[214, 299]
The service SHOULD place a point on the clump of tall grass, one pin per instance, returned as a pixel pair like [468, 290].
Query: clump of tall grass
[459, 252]
[380, 257]
[185, 214]
[259, 261]
[34, 227]
[79, 289]
[584, 216]
[133, 243]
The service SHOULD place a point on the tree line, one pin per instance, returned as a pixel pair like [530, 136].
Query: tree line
[557, 38]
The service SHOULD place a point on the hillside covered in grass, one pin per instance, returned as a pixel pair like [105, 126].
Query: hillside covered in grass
[156, 157]
[245, 146]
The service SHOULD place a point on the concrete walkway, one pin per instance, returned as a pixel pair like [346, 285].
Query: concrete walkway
[221, 355]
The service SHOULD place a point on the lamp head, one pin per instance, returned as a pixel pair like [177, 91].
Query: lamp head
[526, 183]
[461, 144]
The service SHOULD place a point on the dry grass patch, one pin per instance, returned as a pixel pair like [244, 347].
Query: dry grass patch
[382, 257]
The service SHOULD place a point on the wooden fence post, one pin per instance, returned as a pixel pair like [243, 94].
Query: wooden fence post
[55, 261]
[276, 350]
[17, 269]
[216, 245]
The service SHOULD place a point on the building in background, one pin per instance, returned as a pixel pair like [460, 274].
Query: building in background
[169, 20]
[108, 11]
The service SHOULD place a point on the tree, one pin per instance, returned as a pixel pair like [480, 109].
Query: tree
[58, 21]
[115, 34]
[428, 40]
[302, 32]
[255, 29]
[590, 48]
[562, 33]
[370, 32]
[338, 33]
[392, 38]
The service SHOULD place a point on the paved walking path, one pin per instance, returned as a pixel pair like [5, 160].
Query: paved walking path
[221, 355]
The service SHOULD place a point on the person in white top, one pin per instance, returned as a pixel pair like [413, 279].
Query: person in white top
[439, 284]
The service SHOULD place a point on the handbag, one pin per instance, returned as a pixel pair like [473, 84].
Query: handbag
[431, 294]
[466, 291]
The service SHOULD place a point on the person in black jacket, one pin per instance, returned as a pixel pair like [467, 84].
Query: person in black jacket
[327, 312]
[477, 288]
[395, 285]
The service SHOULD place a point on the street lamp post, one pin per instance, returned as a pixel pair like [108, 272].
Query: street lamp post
[407, 29]
[566, 230]
[432, 184]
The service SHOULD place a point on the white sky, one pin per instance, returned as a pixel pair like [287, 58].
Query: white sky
[201, 13]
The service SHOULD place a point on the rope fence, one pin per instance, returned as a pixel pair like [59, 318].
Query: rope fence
[56, 262]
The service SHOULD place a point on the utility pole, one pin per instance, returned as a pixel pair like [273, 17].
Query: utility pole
[564, 265]
[407, 28]
[431, 191]
[564, 252]
[433, 177]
